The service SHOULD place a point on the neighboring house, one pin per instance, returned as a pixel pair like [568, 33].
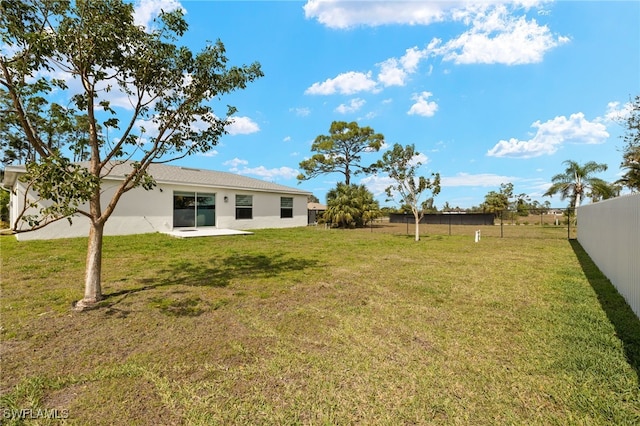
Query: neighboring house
[316, 210]
[184, 198]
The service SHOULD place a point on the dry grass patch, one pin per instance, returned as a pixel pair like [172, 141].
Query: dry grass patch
[314, 326]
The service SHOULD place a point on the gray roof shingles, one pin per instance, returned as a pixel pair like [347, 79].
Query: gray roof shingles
[164, 173]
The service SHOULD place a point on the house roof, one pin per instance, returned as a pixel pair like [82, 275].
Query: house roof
[167, 174]
[316, 206]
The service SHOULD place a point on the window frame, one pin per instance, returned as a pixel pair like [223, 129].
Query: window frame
[244, 209]
[286, 211]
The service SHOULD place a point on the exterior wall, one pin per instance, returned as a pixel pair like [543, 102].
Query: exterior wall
[140, 211]
[266, 208]
[610, 232]
[137, 212]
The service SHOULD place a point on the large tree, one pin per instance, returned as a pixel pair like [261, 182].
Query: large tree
[350, 206]
[631, 154]
[401, 164]
[341, 151]
[578, 181]
[497, 202]
[88, 54]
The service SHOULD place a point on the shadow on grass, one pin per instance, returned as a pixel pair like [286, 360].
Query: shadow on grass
[624, 320]
[214, 272]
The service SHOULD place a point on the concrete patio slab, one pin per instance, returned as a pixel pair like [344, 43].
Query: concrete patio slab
[206, 232]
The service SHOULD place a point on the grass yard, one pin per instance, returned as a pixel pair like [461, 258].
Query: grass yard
[316, 327]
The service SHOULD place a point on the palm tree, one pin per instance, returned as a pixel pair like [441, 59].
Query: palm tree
[631, 155]
[350, 206]
[578, 181]
[631, 162]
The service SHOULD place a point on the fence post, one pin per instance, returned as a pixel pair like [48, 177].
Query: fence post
[501, 224]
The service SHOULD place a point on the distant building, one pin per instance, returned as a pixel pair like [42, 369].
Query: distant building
[315, 212]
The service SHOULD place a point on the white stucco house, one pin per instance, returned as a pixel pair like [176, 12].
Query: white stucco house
[184, 198]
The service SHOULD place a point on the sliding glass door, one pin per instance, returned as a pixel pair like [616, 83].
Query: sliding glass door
[191, 209]
[206, 209]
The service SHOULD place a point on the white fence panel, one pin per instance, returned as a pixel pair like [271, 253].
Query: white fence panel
[609, 231]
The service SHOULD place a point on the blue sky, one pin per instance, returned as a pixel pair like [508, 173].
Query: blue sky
[489, 92]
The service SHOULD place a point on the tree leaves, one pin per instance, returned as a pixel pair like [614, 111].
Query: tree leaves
[95, 42]
[577, 181]
[401, 164]
[350, 206]
[340, 151]
[57, 189]
[631, 154]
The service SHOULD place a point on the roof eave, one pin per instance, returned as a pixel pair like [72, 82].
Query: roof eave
[11, 175]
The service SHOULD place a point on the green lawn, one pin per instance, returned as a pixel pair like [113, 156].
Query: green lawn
[314, 326]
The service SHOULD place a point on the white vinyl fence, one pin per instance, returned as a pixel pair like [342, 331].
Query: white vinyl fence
[609, 231]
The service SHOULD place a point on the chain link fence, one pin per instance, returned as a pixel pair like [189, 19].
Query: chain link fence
[552, 223]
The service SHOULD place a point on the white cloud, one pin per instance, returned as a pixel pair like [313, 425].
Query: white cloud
[353, 106]
[412, 58]
[270, 174]
[377, 184]
[242, 126]
[481, 179]
[347, 84]
[496, 36]
[301, 112]
[235, 163]
[395, 72]
[347, 14]
[147, 128]
[499, 31]
[211, 153]
[550, 135]
[616, 112]
[286, 139]
[239, 125]
[420, 158]
[422, 106]
[146, 10]
[391, 74]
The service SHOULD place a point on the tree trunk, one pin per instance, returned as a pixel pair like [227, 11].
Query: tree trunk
[417, 228]
[93, 268]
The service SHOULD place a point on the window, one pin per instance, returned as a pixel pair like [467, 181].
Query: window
[286, 207]
[244, 206]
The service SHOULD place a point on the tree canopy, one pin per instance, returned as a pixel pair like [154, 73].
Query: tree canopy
[631, 153]
[81, 80]
[350, 206]
[496, 202]
[578, 181]
[401, 164]
[341, 151]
